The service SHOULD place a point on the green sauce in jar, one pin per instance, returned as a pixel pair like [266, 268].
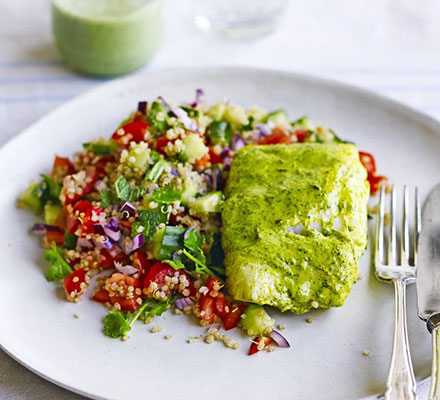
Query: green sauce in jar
[107, 37]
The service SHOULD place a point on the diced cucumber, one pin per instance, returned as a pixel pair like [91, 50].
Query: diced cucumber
[278, 117]
[189, 191]
[208, 204]
[156, 171]
[51, 213]
[194, 147]
[256, 321]
[235, 115]
[30, 200]
[220, 132]
[138, 157]
[156, 242]
[216, 112]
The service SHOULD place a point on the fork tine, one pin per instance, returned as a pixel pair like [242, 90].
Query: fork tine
[379, 226]
[417, 222]
[392, 256]
[405, 229]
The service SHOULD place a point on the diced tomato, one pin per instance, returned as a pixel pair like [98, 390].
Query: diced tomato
[143, 263]
[61, 168]
[55, 236]
[131, 132]
[214, 157]
[221, 306]
[75, 283]
[87, 215]
[161, 143]
[107, 261]
[232, 318]
[102, 163]
[127, 303]
[125, 224]
[71, 224]
[301, 135]
[207, 309]
[254, 346]
[71, 182]
[369, 163]
[159, 271]
[276, 137]
[102, 296]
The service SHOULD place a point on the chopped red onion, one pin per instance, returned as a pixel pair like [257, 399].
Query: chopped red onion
[227, 163]
[112, 230]
[225, 152]
[279, 339]
[134, 244]
[128, 210]
[237, 142]
[187, 122]
[264, 129]
[126, 269]
[170, 110]
[142, 107]
[88, 244]
[44, 228]
[183, 302]
[174, 172]
[200, 94]
[99, 229]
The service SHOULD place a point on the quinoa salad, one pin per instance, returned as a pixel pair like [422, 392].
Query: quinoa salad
[133, 220]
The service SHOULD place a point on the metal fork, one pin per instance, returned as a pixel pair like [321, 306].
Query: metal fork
[401, 382]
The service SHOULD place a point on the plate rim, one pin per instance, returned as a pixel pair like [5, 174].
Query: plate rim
[329, 83]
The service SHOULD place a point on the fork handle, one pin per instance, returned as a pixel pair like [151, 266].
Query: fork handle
[401, 382]
[434, 391]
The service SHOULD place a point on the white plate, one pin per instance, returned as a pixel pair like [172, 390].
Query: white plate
[325, 361]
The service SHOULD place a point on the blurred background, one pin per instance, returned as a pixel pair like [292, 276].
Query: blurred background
[389, 46]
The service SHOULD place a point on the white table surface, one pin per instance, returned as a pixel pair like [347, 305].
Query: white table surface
[390, 46]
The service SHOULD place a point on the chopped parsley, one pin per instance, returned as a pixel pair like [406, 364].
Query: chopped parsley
[59, 268]
[148, 223]
[69, 240]
[108, 197]
[125, 192]
[117, 324]
[47, 190]
[167, 194]
[176, 264]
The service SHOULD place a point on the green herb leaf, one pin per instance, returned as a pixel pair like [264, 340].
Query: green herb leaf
[59, 267]
[69, 240]
[157, 117]
[156, 308]
[116, 325]
[47, 190]
[108, 197]
[192, 112]
[199, 260]
[148, 223]
[194, 240]
[176, 264]
[125, 192]
[167, 194]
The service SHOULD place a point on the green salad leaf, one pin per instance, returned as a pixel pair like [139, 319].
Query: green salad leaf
[59, 268]
[125, 192]
[167, 194]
